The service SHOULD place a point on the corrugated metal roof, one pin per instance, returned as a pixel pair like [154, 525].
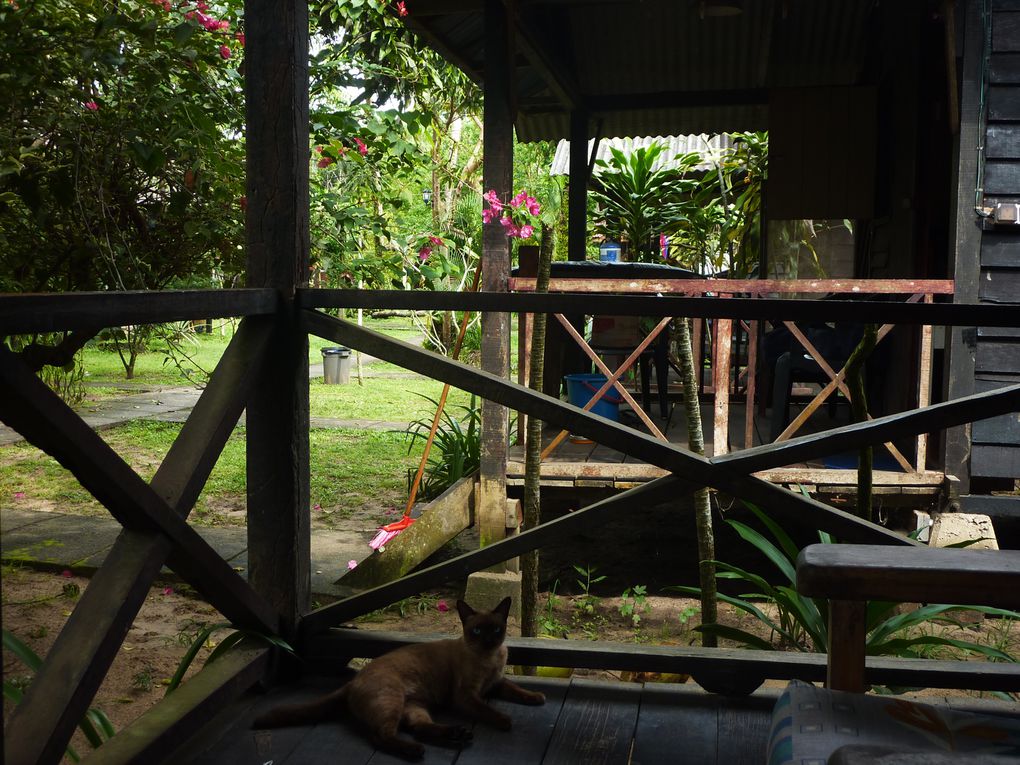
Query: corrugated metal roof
[647, 67]
[710, 147]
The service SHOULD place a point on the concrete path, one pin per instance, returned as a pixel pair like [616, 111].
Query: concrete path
[59, 542]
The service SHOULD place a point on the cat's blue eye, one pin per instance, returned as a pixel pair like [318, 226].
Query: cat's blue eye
[476, 631]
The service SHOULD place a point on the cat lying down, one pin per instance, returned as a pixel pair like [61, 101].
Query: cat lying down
[398, 688]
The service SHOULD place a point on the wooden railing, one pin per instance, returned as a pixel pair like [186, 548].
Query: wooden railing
[154, 514]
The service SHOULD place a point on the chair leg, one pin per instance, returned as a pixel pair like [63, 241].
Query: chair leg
[781, 383]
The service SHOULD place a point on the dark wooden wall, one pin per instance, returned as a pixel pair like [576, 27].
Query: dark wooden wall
[996, 443]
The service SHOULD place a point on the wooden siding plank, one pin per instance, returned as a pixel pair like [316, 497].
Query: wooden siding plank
[997, 461]
[30, 407]
[154, 736]
[1002, 177]
[1003, 103]
[985, 332]
[965, 314]
[1004, 69]
[533, 727]
[1005, 32]
[1003, 141]
[998, 357]
[1000, 249]
[1000, 285]
[994, 507]
[659, 739]
[596, 724]
[685, 286]
[85, 648]
[27, 314]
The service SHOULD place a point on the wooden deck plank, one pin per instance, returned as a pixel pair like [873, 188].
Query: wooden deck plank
[533, 728]
[676, 725]
[596, 724]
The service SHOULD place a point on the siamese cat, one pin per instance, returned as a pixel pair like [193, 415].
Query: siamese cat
[397, 689]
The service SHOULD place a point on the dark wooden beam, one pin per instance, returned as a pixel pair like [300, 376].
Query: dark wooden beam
[55, 312]
[332, 651]
[561, 82]
[947, 314]
[917, 575]
[156, 736]
[890, 427]
[965, 265]
[75, 666]
[498, 150]
[31, 408]
[276, 124]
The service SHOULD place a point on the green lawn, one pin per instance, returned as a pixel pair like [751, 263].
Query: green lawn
[352, 471]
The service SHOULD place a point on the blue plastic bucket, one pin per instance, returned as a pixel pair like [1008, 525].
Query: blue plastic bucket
[580, 389]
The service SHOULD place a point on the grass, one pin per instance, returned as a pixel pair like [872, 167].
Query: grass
[380, 398]
[352, 472]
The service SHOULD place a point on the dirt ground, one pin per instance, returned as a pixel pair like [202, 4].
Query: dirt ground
[37, 604]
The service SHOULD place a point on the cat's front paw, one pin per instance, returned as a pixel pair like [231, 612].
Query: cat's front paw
[535, 699]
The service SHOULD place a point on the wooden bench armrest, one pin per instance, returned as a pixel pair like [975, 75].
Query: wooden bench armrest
[850, 575]
[910, 574]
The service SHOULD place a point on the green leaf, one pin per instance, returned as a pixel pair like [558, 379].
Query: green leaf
[736, 635]
[183, 32]
[191, 653]
[26, 655]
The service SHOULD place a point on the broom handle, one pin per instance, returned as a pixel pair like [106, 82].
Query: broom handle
[442, 403]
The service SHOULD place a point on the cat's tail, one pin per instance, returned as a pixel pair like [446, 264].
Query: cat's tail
[325, 708]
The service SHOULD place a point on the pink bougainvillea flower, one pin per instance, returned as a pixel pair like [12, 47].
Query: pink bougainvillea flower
[509, 226]
[316, 506]
[240, 38]
[424, 253]
[442, 607]
[401, 8]
[352, 564]
[492, 199]
[19, 495]
[489, 215]
[224, 51]
[519, 199]
[436, 241]
[92, 106]
[243, 204]
[168, 590]
[526, 231]
[534, 208]
[202, 6]
[66, 574]
[362, 148]
[189, 15]
[325, 162]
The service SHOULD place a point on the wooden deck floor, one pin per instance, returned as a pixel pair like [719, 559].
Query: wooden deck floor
[583, 721]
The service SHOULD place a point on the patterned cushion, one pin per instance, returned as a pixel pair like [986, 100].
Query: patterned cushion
[809, 724]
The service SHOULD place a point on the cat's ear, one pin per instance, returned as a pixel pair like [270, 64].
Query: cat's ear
[465, 611]
[503, 609]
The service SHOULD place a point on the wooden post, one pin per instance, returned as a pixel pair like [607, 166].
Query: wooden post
[847, 632]
[721, 385]
[577, 199]
[924, 388]
[276, 96]
[498, 153]
[961, 342]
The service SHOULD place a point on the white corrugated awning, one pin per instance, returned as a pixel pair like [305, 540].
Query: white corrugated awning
[710, 147]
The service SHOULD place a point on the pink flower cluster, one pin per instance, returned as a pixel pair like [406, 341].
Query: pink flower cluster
[401, 8]
[209, 23]
[520, 205]
[426, 250]
[328, 159]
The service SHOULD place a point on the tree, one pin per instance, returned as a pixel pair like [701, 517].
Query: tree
[121, 165]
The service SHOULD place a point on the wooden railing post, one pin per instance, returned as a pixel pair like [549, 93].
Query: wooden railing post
[276, 97]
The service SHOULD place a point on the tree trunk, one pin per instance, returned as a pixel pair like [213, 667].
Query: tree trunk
[533, 448]
[702, 504]
[859, 411]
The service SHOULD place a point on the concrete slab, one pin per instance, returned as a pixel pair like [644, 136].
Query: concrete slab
[60, 541]
[12, 518]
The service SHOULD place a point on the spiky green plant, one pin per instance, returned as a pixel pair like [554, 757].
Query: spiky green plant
[802, 623]
[456, 449]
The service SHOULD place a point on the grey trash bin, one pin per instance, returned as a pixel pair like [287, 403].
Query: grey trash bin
[336, 366]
